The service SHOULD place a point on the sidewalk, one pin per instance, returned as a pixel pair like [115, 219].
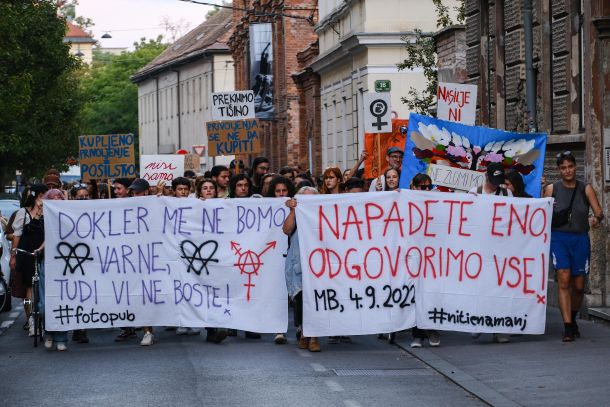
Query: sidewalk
[532, 370]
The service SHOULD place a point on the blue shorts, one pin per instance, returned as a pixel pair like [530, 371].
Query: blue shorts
[571, 251]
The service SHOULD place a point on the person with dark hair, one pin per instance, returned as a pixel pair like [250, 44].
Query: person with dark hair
[260, 166]
[304, 176]
[139, 187]
[121, 187]
[394, 157]
[421, 182]
[240, 186]
[391, 178]
[495, 182]
[190, 174]
[266, 181]
[353, 185]
[570, 245]
[206, 189]
[514, 183]
[288, 172]
[280, 187]
[221, 175]
[181, 187]
[28, 234]
[303, 183]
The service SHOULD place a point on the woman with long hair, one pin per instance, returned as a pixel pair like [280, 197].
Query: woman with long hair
[514, 183]
[391, 179]
[206, 189]
[331, 181]
[240, 186]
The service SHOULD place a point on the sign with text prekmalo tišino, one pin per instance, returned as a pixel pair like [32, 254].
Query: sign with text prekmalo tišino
[107, 156]
[233, 137]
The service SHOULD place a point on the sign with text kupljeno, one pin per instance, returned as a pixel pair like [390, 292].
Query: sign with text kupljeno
[165, 261]
[107, 156]
[388, 261]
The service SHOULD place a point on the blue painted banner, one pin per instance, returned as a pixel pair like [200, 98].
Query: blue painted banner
[433, 141]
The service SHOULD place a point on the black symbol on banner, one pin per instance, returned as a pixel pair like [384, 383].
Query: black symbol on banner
[198, 255]
[73, 254]
[378, 109]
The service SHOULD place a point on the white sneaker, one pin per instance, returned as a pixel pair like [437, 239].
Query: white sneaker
[32, 327]
[416, 343]
[48, 343]
[62, 347]
[182, 331]
[280, 339]
[147, 340]
[434, 339]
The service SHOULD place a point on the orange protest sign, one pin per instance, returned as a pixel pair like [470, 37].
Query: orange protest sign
[376, 145]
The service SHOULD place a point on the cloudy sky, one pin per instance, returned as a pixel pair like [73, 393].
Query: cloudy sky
[129, 20]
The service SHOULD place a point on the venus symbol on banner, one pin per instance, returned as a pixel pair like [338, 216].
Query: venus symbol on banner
[249, 262]
[377, 112]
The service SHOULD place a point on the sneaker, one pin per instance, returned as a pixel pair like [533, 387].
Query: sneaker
[501, 338]
[147, 340]
[124, 335]
[280, 339]
[31, 326]
[182, 331]
[434, 339]
[193, 331]
[48, 343]
[333, 340]
[416, 343]
[62, 347]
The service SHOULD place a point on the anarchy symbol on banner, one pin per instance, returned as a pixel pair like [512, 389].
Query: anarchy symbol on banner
[197, 255]
[74, 253]
[249, 263]
[379, 108]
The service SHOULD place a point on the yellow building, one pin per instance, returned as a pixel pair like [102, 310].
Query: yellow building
[81, 42]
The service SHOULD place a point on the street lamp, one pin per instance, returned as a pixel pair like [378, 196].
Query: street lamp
[106, 35]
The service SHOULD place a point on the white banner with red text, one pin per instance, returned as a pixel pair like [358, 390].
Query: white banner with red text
[383, 262]
[165, 262]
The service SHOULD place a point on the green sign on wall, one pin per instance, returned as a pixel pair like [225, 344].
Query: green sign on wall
[384, 85]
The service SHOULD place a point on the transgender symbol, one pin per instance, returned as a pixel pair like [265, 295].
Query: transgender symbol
[249, 262]
[73, 253]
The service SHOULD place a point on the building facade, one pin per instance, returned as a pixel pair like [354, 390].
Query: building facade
[271, 42]
[571, 55]
[362, 41]
[174, 89]
[81, 42]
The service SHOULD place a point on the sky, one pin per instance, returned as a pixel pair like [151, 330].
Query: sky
[129, 20]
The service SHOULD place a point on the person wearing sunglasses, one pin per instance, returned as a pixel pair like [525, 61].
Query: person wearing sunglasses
[570, 244]
[79, 192]
[495, 182]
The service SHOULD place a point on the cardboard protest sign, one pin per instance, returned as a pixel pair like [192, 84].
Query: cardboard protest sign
[354, 282]
[233, 105]
[433, 141]
[460, 262]
[166, 261]
[192, 162]
[377, 144]
[107, 156]
[456, 102]
[161, 167]
[455, 178]
[233, 137]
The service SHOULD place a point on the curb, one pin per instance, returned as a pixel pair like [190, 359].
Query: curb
[459, 377]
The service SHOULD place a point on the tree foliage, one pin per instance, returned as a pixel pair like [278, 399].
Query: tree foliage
[39, 95]
[111, 104]
[422, 53]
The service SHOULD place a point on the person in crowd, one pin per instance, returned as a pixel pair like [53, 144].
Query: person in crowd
[266, 181]
[52, 180]
[28, 235]
[240, 186]
[515, 184]
[304, 176]
[421, 182]
[570, 245]
[495, 182]
[354, 185]
[207, 189]
[331, 181]
[139, 187]
[190, 174]
[221, 175]
[391, 178]
[294, 272]
[260, 166]
[351, 173]
[394, 159]
[79, 192]
[288, 172]
[280, 187]
[121, 187]
[104, 192]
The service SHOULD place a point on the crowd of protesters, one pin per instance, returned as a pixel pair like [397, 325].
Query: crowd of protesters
[569, 243]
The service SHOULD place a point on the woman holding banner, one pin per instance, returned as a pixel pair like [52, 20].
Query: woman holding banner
[294, 281]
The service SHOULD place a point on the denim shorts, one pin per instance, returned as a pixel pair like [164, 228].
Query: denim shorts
[571, 251]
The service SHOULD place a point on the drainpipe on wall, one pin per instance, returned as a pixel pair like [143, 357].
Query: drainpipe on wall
[530, 74]
[178, 107]
[158, 118]
[209, 98]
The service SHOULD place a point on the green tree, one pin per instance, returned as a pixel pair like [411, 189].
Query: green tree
[111, 98]
[39, 93]
[422, 53]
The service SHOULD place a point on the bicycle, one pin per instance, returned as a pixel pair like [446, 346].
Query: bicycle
[33, 303]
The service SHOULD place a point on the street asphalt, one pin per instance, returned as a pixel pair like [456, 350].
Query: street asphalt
[186, 370]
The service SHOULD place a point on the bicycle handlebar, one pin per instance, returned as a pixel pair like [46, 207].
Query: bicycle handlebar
[37, 254]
